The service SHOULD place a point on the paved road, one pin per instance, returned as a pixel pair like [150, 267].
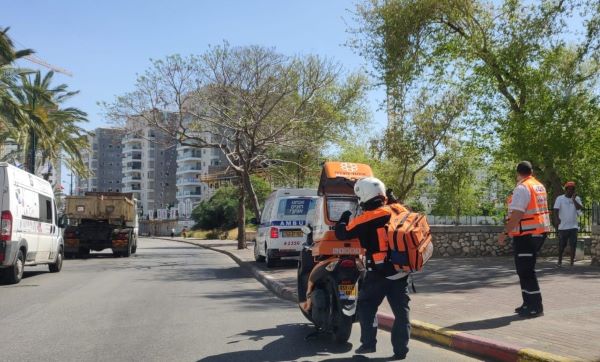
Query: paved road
[171, 302]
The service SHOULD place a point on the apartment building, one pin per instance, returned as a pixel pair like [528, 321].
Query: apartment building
[104, 162]
[149, 168]
[200, 171]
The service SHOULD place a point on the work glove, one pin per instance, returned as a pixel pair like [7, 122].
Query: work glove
[345, 218]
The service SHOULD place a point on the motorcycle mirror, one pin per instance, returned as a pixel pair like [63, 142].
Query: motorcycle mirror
[306, 230]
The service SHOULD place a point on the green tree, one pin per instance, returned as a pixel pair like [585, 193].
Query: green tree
[528, 70]
[458, 173]
[221, 211]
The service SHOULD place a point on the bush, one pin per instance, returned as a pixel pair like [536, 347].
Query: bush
[220, 212]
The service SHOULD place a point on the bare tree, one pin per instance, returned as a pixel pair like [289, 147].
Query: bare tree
[246, 101]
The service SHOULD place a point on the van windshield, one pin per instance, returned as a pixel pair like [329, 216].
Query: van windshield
[337, 205]
[295, 208]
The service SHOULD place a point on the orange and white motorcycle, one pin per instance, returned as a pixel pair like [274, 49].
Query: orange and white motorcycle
[329, 270]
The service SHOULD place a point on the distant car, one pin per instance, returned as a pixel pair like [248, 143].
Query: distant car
[279, 235]
[30, 232]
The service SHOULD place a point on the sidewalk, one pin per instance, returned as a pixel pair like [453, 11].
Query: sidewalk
[476, 298]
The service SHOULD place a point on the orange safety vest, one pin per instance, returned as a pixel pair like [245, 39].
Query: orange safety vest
[536, 219]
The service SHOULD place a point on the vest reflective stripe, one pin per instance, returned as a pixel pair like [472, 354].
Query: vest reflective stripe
[537, 221]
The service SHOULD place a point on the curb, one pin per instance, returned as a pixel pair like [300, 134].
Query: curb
[455, 340]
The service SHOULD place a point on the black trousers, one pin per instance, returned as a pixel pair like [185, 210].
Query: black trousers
[525, 249]
[567, 236]
[374, 288]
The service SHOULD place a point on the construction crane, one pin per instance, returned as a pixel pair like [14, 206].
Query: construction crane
[37, 60]
[32, 58]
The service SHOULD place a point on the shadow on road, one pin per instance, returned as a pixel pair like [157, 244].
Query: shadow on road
[289, 345]
[490, 323]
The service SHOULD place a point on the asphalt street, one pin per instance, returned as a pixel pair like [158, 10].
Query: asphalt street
[170, 302]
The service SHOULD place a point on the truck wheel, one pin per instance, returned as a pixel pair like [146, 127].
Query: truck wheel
[57, 265]
[259, 258]
[14, 274]
[127, 252]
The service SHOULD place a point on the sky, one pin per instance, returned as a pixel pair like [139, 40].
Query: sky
[105, 43]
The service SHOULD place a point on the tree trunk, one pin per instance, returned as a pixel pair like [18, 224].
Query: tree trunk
[30, 153]
[252, 195]
[242, 216]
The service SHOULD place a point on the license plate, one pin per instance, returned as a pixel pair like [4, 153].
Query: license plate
[347, 291]
[292, 233]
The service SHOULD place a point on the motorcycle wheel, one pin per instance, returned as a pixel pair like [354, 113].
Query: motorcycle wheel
[342, 329]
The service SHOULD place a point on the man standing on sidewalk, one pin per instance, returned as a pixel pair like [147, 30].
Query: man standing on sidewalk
[382, 279]
[566, 209]
[528, 224]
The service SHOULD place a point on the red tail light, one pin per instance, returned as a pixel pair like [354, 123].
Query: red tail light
[6, 226]
[274, 233]
[347, 263]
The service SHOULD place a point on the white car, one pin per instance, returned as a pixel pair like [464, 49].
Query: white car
[279, 235]
[30, 234]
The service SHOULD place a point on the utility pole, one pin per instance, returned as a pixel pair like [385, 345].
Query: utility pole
[71, 185]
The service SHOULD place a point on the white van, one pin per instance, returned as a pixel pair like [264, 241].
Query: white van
[29, 233]
[279, 235]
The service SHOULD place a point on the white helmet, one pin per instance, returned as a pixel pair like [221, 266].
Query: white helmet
[368, 188]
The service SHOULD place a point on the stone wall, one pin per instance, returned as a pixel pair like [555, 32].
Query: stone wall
[478, 240]
[595, 245]
[468, 241]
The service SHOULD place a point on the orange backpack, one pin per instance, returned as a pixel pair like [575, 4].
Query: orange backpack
[409, 239]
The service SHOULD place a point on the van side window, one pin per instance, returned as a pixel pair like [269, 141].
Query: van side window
[266, 216]
[45, 209]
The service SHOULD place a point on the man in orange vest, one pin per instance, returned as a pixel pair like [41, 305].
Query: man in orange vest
[382, 279]
[528, 224]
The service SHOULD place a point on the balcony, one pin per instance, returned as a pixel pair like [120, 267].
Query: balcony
[189, 155]
[132, 158]
[190, 194]
[188, 181]
[189, 169]
[132, 179]
[129, 170]
[132, 148]
[136, 140]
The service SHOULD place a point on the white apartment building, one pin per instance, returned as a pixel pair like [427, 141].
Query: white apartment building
[200, 171]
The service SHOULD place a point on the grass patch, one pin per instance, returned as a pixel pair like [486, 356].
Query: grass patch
[231, 234]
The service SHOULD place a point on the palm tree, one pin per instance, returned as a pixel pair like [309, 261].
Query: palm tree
[52, 129]
[10, 113]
